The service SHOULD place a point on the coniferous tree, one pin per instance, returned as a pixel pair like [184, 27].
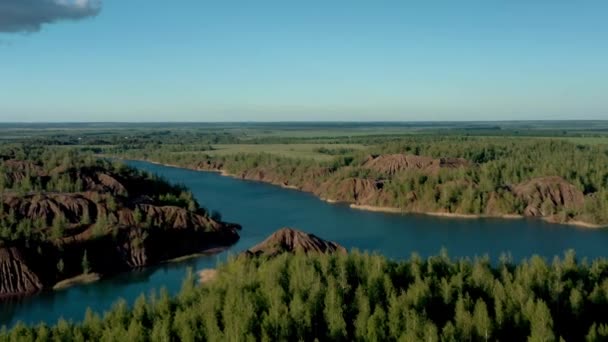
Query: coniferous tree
[86, 267]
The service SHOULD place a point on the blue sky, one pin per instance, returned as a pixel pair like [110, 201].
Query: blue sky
[189, 60]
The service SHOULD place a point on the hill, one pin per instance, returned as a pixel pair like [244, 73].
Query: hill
[84, 217]
[293, 241]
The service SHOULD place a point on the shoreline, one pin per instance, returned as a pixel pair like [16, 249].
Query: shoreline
[393, 210]
[81, 279]
[373, 208]
[575, 223]
[206, 252]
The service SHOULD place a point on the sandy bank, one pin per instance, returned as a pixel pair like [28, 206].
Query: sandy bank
[77, 280]
[576, 223]
[292, 187]
[580, 224]
[375, 208]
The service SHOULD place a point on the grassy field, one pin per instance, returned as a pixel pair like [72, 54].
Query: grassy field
[284, 150]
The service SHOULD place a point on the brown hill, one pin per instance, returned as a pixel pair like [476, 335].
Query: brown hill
[292, 240]
[18, 170]
[544, 195]
[390, 164]
[353, 190]
[119, 222]
[210, 165]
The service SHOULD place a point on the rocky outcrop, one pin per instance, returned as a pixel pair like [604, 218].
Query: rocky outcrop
[391, 164]
[116, 223]
[210, 165]
[45, 207]
[543, 196]
[354, 190]
[15, 275]
[289, 240]
[16, 171]
[100, 182]
[25, 269]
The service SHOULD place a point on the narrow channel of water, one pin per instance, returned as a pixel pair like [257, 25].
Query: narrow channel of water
[263, 208]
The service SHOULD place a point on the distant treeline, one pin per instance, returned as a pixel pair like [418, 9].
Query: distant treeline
[113, 136]
[361, 297]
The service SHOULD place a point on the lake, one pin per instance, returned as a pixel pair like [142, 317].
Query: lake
[263, 208]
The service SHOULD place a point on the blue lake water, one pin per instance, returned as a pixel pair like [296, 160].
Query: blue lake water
[262, 208]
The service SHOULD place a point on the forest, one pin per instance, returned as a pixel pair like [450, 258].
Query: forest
[360, 297]
[71, 217]
[357, 296]
[558, 179]
[31, 171]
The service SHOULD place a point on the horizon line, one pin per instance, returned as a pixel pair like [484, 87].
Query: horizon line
[304, 121]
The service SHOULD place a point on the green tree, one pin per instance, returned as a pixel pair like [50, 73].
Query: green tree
[541, 324]
[60, 266]
[483, 322]
[334, 311]
[59, 226]
[137, 216]
[86, 267]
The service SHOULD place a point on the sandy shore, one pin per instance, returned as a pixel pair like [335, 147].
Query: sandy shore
[77, 280]
[377, 209]
[292, 187]
[581, 224]
[206, 252]
[576, 223]
[401, 211]
[473, 216]
[511, 216]
[453, 215]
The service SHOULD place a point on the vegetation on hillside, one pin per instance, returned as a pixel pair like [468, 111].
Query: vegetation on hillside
[487, 186]
[364, 298]
[30, 174]
[64, 213]
[555, 170]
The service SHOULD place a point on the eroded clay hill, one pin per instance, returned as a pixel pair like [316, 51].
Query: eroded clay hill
[390, 164]
[116, 222]
[289, 240]
[15, 275]
[542, 196]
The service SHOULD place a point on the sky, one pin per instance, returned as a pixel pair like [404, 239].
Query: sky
[193, 60]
